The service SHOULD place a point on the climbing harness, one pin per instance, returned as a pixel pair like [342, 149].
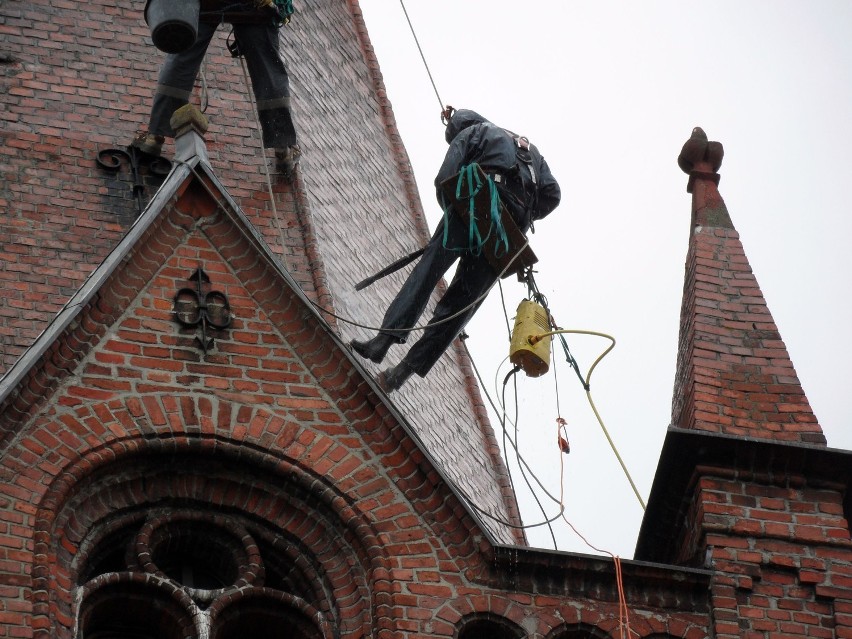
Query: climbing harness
[503, 244]
[469, 184]
[496, 237]
[279, 11]
[527, 156]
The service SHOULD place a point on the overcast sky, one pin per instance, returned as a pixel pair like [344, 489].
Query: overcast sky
[610, 91]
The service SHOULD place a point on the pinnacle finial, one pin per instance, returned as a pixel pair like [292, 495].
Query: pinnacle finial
[189, 125]
[698, 154]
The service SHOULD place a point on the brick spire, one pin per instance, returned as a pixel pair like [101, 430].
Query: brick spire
[734, 375]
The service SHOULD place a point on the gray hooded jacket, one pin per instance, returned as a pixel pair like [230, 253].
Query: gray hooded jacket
[472, 138]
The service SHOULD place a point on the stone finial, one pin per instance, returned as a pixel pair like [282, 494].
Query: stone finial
[700, 158]
[189, 117]
[189, 125]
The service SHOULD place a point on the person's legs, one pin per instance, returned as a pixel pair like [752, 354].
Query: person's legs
[177, 77]
[270, 83]
[409, 304]
[473, 278]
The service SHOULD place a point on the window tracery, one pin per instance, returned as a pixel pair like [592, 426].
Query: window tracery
[173, 572]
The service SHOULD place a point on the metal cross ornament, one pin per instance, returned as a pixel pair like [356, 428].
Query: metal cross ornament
[200, 306]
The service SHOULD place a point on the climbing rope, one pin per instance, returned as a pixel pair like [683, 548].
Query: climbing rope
[422, 57]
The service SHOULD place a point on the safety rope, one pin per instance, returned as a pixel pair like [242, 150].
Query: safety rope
[587, 386]
[548, 520]
[513, 375]
[561, 437]
[422, 57]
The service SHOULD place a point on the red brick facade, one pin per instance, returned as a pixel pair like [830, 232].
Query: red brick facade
[150, 486]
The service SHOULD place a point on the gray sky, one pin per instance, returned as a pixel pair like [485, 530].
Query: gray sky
[610, 91]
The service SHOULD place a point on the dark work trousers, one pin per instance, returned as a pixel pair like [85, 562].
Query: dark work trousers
[473, 277]
[259, 45]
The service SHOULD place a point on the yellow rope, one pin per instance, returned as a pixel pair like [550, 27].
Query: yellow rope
[535, 338]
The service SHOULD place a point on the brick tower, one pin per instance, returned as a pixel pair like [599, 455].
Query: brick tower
[188, 449]
[746, 486]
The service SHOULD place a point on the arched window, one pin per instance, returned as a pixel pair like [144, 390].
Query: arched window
[579, 631]
[267, 615]
[489, 626]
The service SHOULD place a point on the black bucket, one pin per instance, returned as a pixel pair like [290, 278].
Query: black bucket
[173, 23]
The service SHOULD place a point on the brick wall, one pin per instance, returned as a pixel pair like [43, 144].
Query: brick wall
[781, 552]
[275, 446]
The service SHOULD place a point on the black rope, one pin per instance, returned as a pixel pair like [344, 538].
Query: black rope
[513, 375]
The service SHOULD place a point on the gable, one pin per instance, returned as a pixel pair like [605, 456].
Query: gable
[122, 384]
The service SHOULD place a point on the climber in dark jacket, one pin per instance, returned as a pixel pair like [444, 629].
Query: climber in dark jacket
[257, 40]
[529, 192]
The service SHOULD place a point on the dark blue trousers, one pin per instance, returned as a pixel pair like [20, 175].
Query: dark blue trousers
[473, 277]
[269, 80]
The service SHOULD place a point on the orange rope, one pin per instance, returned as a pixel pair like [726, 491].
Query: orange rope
[623, 608]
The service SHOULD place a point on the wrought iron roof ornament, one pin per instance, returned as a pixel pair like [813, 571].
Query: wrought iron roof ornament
[200, 306]
[111, 160]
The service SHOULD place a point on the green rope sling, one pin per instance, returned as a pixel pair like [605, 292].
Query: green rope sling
[469, 176]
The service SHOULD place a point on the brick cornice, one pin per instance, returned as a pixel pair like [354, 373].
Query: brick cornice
[574, 574]
[688, 453]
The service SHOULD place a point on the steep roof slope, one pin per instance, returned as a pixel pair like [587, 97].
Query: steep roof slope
[78, 78]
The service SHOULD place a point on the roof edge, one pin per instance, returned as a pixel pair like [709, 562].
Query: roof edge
[684, 450]
[556, 572]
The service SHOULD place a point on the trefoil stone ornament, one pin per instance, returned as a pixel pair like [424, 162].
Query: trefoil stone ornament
[202, 307]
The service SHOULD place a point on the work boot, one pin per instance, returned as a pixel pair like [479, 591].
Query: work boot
[392, 378]
[373, 349]
[287, 159]
[149, 143]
